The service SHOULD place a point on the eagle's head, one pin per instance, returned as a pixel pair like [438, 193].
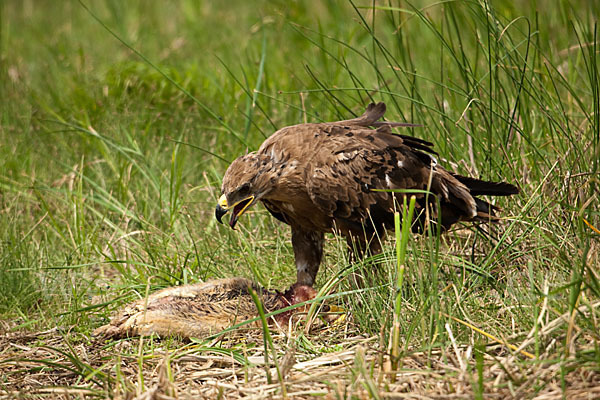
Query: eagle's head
[247, 180]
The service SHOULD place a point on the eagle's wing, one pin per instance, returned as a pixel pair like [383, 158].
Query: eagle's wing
[344, 162]
[299, 139]
[347, 168]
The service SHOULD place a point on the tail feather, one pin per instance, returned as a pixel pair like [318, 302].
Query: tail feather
[478, 187]
[486, 211]
[462, 203]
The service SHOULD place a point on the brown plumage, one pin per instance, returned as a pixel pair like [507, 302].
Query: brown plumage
[321, 178]
[202, 309]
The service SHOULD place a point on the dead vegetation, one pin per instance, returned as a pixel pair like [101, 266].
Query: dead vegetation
[344, 365]
[110, 165]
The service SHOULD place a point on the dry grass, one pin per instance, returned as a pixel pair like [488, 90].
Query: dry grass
[102, 202]
[50, 365]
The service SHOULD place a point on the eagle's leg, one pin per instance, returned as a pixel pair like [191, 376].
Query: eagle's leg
[308, 251]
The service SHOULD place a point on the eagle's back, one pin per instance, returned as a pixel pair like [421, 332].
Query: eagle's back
[338, 166]
[339, 170]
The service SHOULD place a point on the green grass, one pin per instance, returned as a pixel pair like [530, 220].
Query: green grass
[114, 139]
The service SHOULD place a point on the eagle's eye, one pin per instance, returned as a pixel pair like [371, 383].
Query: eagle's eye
[244, 190]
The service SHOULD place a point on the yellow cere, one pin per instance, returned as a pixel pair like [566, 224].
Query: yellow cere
[223, 202]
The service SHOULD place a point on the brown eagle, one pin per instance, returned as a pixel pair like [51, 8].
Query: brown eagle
[323, 177]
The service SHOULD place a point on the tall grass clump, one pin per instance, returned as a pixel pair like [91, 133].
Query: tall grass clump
[500, 103]
[118, 121]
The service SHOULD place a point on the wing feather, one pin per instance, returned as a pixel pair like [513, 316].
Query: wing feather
[344, 162]
[345, 170]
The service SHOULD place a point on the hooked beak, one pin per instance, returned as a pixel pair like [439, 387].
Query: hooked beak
[221, 208]
[238, 209]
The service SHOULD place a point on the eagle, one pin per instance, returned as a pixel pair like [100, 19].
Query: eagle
[339, 177]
